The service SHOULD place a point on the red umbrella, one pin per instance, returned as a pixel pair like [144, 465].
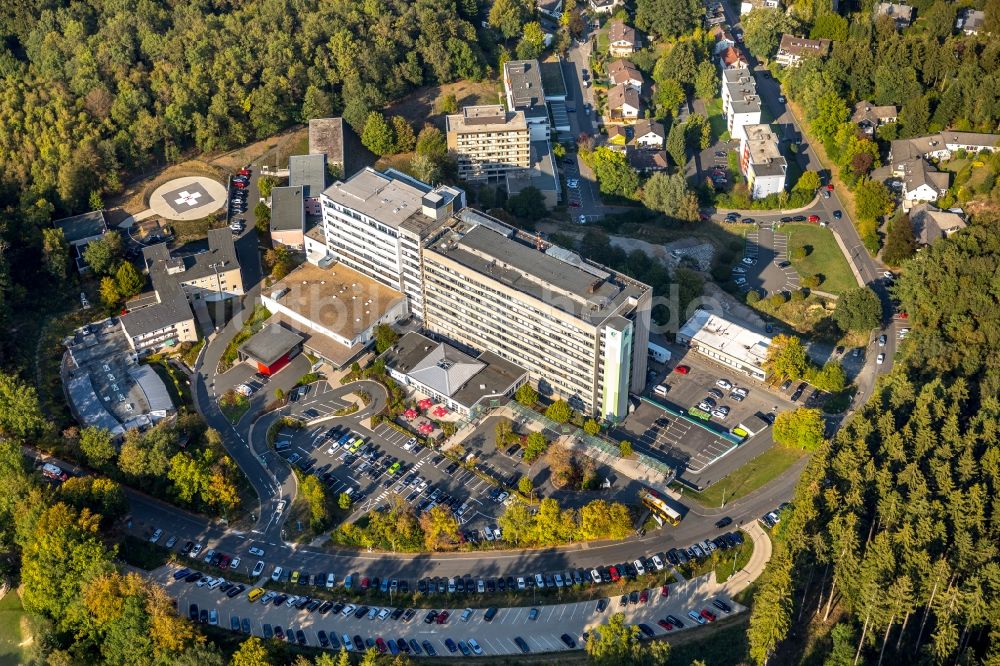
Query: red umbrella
[440, 411]
[425, 403]
[410, 413]
[426, 428]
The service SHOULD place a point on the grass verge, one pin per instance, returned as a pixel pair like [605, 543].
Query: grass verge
[12, 640]
[748, 478]
[253, 324]
[722, 562]
[235, 410]
[824, 257]
[720, 131]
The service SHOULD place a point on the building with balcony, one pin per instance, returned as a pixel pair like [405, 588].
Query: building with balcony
[488, 142]
[740, 102]
[578, 328]
[762, 162]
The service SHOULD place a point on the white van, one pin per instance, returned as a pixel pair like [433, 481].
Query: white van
[660, 390]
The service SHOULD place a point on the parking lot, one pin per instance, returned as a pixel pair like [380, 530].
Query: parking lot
[542, 628]
[765, 265]
[388, 464]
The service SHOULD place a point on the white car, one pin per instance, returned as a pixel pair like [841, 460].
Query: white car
[639, 569]
[156, 536]
[724, 384]
[475, 646]
[558, 580]
[888, 275]
[595, 576]
[331, 580]
[216, 583]
[268, 598]
[348, 609]
[384, 613]
[880, 359]
[740, 281]
[333, 447]
[278, 509]
[291, 601]
[258, 568]
[276, 574]
[739, 269]
[207, 580]
[720, 413]
[747, 260]
[521, 583]
[235, 563]
[256, 552]
[197, 549]
[657, 562]
[372, 613]
[740, 391]
[409, 443]
[209, 555]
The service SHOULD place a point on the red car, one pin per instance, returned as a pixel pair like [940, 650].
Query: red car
[239, 184]
[708, 615]
[644, 596]
[442, 617]
[365, 582]
[682, 369]
[829, 188]
[224, 562]
[664, 591]
[615, 576]
[814, 218]
[380, 644]
[666, 625]
[244, 172]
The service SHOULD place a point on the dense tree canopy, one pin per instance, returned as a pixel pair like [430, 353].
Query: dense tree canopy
[668, 18]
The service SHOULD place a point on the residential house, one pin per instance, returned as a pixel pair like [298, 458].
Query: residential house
[551, 8]
[623, 71]
[761, 161]
[647, 161]
[740, 103]
[869, 117]
[922, 183]
[288, 219]
[733, 58]
[715, 15]
[970, 21]
[723, 39]
[80, 231]
[931, 224]
[748, 6]
[648, 134]
[622, 39]
[618, 136]
[623, 103]
[941, 146]
[488, 142]
[605, 6]
[900, 13]
[793, 49]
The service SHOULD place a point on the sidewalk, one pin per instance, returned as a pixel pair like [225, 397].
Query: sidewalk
[758, 560]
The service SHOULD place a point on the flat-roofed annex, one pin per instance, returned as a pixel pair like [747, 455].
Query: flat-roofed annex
[338, 299]
[391, 201]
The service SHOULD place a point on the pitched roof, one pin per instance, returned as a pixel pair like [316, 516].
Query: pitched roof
[622, 71]
[917, 173]
[84, 225]
[620, 32]
[732, 56]
[621, 95]
[901, 13]
[864, 111]
[800, 46]
[647, 160]
[646, 126]
[931, 224]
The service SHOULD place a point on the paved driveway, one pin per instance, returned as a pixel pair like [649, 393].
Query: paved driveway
[771, 251]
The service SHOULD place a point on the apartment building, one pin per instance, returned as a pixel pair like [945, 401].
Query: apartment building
[740, 102]
[761, 161]
[162, 316]
[793, 49]
[489, 142]
[378, 222]
[522, 84]
[578, 328]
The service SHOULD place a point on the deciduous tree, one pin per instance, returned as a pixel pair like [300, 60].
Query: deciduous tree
[858, 310]
[786, 357]
[103, 255]
[668, 18]
[801, 428]
[406, 140]
[559, 411]
[97, 446]
[20, 414]
[762, 30]
[55, 251]
[377, 135]
[526, 395]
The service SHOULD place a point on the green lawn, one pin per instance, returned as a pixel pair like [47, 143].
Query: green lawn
[824, 258]
[720, 131]
[755, 474]
[11, 616]
[721, 562]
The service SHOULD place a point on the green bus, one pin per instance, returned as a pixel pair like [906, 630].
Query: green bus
[699, 414]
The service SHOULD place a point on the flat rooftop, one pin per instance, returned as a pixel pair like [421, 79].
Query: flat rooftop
[82, 226]
[523, 79]
[271, 343]
[556, 276]
[727, 336]
[309, 172]
[541, 175]
[493, 118]
[765, 155]
[287, 208]
[339, 299]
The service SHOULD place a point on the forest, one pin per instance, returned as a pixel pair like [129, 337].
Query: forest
[894, 530]
[96, 93]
